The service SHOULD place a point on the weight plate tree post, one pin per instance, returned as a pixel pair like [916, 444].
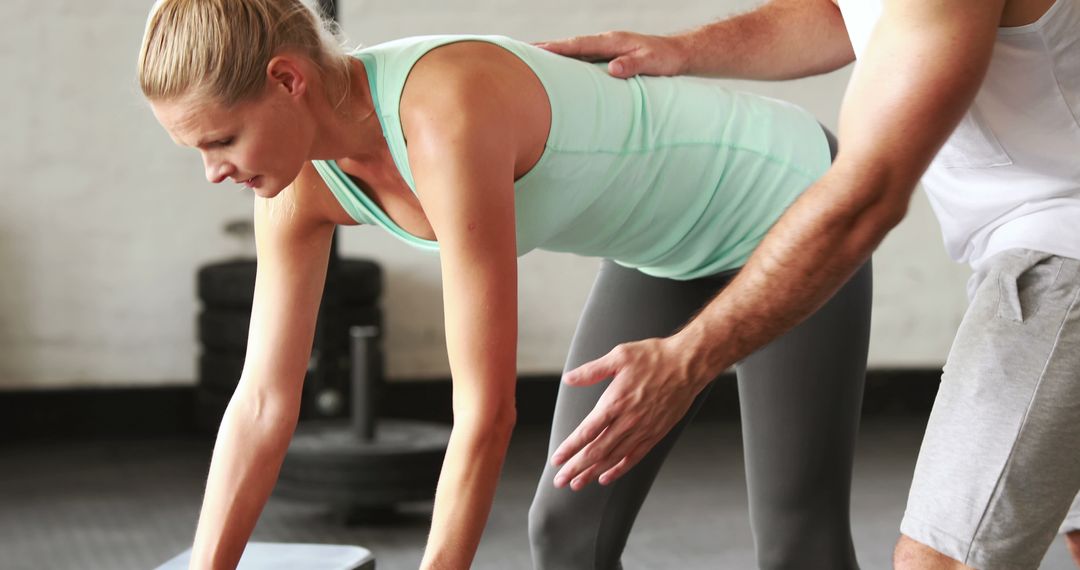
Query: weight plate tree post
[364, 467]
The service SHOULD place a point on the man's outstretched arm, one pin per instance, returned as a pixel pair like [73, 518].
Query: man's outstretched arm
[782, 39]
[920, 73]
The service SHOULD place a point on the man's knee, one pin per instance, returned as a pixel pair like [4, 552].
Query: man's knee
[1072, 540]
[911, 554]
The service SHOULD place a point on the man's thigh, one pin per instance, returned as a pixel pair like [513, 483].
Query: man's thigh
[999, 468]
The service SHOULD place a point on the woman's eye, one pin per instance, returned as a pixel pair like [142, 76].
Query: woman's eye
[224, 142]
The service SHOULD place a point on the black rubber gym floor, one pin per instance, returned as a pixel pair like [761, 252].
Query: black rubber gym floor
[117, 505]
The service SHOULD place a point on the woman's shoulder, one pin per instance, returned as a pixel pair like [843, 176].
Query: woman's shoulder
[398, 62]
[468, 66]
[466, 61]
[470, 79]
[417, 46]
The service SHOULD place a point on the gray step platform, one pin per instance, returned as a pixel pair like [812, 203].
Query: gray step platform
[291, 556]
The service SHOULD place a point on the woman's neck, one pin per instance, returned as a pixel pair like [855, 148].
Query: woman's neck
[352, 129]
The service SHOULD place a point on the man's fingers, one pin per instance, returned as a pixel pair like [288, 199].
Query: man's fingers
[590, 429]
[625, 464]
[612, 458]
[592, 372]
[578, 483]
[593, 47]
[601, 455]
[596, 453]
[625, 67]
[611, 475]
[578, 465]
[580, 46]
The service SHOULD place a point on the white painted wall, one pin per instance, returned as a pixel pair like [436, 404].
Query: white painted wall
[103, 221]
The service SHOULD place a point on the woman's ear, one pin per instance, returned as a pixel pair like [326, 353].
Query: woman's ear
[286, 72]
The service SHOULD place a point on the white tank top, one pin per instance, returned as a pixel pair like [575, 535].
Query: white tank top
[1009, 176]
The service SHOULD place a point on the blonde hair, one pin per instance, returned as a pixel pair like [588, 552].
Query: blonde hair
[220, 48]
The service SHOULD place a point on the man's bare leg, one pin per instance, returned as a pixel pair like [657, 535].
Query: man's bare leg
[1072, 540]
[914, 555]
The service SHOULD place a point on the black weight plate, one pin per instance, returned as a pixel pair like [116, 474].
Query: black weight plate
[368, 495]
[227, 283]
[336, 441]
[209, 409]
[224, 329]
[360, 281]
[227, 329]
[219, 372]
[328, 463]
[231, 284]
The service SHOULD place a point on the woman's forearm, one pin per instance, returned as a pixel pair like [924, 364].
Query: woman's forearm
[466, 490]
[250, 447]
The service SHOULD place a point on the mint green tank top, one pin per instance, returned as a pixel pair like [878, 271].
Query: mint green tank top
[677, 177]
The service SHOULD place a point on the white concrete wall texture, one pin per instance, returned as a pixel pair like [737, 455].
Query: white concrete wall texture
[104, 221]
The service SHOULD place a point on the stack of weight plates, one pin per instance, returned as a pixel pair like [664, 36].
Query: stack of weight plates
[226, 290]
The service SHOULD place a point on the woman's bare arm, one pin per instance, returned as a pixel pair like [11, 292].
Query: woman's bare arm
[293, 245]
[466, 114]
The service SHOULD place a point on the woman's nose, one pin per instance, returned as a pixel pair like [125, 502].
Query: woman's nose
[216, 172]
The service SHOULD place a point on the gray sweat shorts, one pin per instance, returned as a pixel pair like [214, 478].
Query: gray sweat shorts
[999, 467]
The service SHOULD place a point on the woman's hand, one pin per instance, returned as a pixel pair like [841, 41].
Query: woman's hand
[629, 53]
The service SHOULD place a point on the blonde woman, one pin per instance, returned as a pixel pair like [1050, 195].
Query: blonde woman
[482, 149]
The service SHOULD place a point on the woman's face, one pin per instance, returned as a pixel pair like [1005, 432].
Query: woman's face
[262, 143]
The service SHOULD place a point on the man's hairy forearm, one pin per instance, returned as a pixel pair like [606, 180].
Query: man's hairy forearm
[807, 256]
[782, 39]
[903, 103]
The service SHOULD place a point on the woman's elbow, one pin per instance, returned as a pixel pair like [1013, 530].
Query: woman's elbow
[502, 419]
[265, 411]
[496, 421]
[506, 418]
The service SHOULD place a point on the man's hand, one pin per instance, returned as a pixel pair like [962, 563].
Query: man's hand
[629, 53]
[780, 39]
[654, 384]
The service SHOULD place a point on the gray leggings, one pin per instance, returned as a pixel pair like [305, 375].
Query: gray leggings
[800, 398]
